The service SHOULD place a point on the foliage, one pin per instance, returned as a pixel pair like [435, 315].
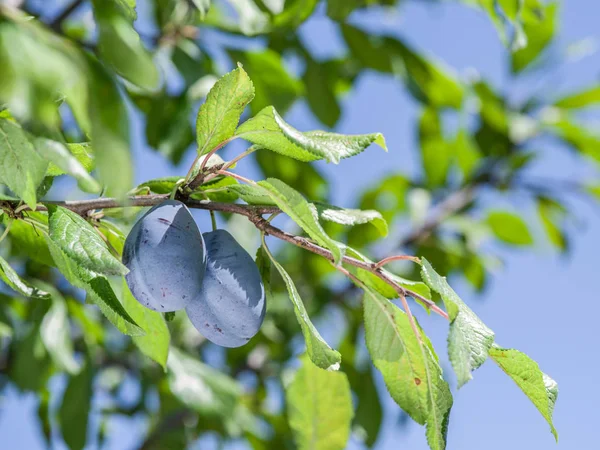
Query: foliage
[66, 95]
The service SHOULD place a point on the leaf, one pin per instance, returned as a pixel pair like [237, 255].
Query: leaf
[263, 262]
[219, 115]
[56, 335]
[409, 367]
[469, 339]
[319, 406]
[550, 212]
[585, 141]
[22, 169]
[320, 92]
[318, 350]
[537, 386]
[80, 242]
[98, 291]
[509, 228]
[82, 152]
[66, 162]
[201, 387]
[121, 47]
[583, 99]
[12, 279]
[30, 240]
[302, 212]
[253, 195]
[268, 130]
[435, 151]
[75, 408]
[155, 343]
[110, 131]
[351, 217]
[273, 84]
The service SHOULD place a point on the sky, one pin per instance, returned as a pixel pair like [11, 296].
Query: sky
[540, 302]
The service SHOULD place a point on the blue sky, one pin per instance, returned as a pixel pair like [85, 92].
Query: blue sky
[540, 302]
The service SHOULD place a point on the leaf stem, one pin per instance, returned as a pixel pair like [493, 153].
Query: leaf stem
[390, 259]
[6, 230]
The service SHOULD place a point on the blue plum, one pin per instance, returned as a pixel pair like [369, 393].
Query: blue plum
[231, 306]
[166, 258]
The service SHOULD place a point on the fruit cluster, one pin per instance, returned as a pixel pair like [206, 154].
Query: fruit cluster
[172, 266]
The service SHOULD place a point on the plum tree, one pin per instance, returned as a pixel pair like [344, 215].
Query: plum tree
[166, 257]
[231, 305]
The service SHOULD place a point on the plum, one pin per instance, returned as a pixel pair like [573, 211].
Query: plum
[166, 258]
[231, 306]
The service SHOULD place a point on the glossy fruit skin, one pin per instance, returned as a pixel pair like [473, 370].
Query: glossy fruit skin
[166, 257]
[231, 306]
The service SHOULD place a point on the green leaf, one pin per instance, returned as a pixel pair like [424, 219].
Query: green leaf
[318, 350]
[80, 242]
[320, 92]
[352, 217]
[219, 115]
[435, 151]
[58, 154]
[550, 212]
[319, 406]
[82, 152]
[269, 130]
[263, 262]
[110, 131]
[302, 212]
[253, 195]
[583, 140]
[537, 386]
[98, 289]
[582, 99]
[30, 240]
[22, 169]
[273, 84]
[56, 335]
[469, 338]
[155, 343]
[12, 279]
[75, 408]
[509, 228]
[121, 47]
[200, 387]
[409, 367]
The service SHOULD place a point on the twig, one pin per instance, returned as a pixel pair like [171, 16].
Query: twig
[390, 259]
[56, 24]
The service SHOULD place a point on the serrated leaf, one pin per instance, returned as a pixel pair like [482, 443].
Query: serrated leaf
[469, 339]
[109, 131]
[351, 217]
[80, 242]
[30, 239]
[121, 47]
[537, 386]
[409, 367]
[201, 387]
[302, 212]
[509, 228]
[268, 130]
[318, 350]
[22, 169]
[75, 408]
[219, 115]
[98, 289]
[319, 406]
[253, 195]
[155, 343]
[12, 279]
[58, 154]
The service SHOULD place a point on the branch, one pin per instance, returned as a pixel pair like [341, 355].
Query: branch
[56, 24]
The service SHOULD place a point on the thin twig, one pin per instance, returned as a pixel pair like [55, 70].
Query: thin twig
[56, 24]
[390, 259]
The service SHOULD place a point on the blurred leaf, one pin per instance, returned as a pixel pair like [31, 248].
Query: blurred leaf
[509, 228]
[435, 151]
[409, 367]
[319, 406]
[351, 217]
[320, 92]
[294, 13]
[200, 387]
[320, 353]
[110, 131]
[98, 291]
[539, 26]
[537, 386]
[468, 156]
[583, 140]
[12, 279]
[269, 130]
[219, 115]
[79, 241]
[155, 343]
[120, 45]
[582, 99]
[273, 85]
[75, 408]
[22, 169]
[263, 262]
[83, 154]
[469, 338]
[302, 212]
[67, 163]
[550, 212]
